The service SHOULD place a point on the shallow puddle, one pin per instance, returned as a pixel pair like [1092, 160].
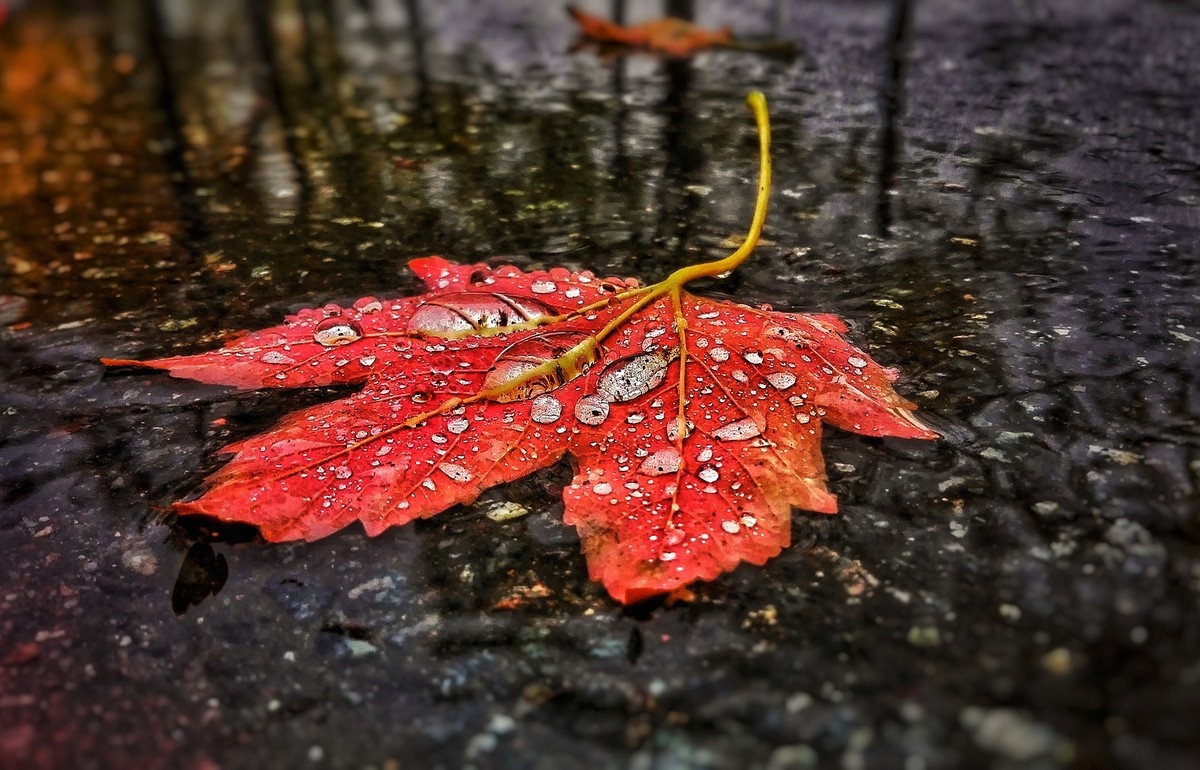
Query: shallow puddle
[1003, 207]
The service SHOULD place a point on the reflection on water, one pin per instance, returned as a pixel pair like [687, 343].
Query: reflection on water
[202, 574]
[1001, 205]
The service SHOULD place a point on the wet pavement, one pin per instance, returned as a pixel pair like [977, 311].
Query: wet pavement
[1002, 200]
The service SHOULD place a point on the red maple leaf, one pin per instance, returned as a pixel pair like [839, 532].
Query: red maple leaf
[669, 35]
[695, 424]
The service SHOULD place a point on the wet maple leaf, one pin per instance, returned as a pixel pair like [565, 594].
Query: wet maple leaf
[694, 424]
[669, 35]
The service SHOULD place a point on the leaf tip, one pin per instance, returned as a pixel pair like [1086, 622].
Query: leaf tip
[116, 362]
[430, 269]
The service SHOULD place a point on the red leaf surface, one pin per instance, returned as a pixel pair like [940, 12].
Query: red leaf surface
[694, 424]
[657, 508]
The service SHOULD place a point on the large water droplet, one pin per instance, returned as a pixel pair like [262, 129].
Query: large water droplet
[458, 425]
[730, 526]
[543, 287]
[368, 305]
[277, 357]
[456, 472]
[602, 488]
[337, 331]
[856, 362]
[343, 472]
[633, 376]
[738, 431]
[720, 355]
[591, 410]
[511, 376]
[456, 313]
[545, 409]
[708, 474]
[781, 380]
[661, 462]
[753, 357]
[506, 372]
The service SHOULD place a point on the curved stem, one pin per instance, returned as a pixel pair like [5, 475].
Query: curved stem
[758, 105]
[671, 284]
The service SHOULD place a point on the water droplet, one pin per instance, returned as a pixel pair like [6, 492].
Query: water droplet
[368, 305]
[633, 376]
[591, 410]
[343, 472]
[455, 313]
[428, 484]
[675, 536]
[367, 360]
[545, 409]
[661, 462]
[456, 472]
[738, 431]
[709, 474]
[803, 417]
[781, 380]
[337, 331]
[458, 425]
[720, 355]
[705, 454]
[602, 488]
[276, 357]
[635, 418]
[438, 438]
[543, 287]
[753, 357]
[506, 372]
[730, 526]
[281, 376]
[856, 362]
[673, 429]
[749, 521]
[668, 556]
[511, 377]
